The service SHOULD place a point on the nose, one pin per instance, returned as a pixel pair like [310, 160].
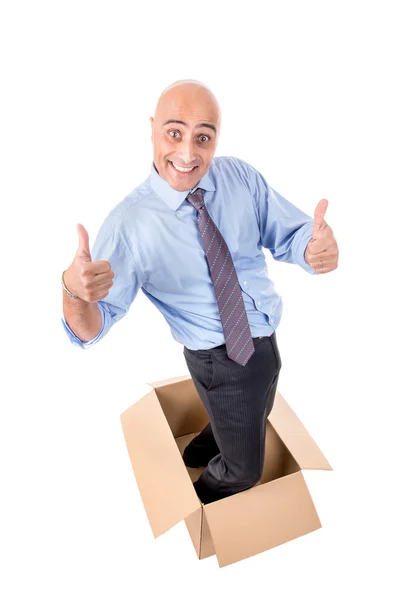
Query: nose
[186, 152]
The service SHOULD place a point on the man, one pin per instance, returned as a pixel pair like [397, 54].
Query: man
[191, 237]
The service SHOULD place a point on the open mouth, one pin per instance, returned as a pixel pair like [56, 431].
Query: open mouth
[181, 170]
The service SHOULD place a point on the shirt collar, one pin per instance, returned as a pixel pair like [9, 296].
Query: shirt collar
[171, 197]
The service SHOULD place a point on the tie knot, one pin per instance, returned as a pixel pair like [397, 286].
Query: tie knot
[196, 198]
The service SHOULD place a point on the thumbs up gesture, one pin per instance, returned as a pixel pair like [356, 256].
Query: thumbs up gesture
[88, 280]
[322, 251]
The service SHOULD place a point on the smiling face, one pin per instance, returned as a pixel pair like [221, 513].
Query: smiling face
[185, 131]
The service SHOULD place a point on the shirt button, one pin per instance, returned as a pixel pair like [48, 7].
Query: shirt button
[259, 302]
[244, 282]
[272, 321]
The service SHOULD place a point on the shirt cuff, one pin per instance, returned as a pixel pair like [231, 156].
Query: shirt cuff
[303, 237]
[77, 341]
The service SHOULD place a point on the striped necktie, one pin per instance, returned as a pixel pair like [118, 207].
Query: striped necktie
[236, 328]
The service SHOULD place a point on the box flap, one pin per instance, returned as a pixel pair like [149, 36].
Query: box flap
[295, 436]
[165, 486]
[157, 384]
[270, 514]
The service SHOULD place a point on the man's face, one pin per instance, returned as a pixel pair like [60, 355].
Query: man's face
[185, 131]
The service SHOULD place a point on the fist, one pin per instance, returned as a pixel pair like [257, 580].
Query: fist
[322, 253]
[88, 280]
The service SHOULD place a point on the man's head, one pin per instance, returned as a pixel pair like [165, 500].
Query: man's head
[185, 131]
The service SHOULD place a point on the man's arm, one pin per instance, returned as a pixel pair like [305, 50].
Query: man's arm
[290, 234]
[285, 230]
[106, 287]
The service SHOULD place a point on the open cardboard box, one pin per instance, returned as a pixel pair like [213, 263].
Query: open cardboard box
[279, 508]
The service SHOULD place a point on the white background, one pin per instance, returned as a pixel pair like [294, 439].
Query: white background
[309, 96]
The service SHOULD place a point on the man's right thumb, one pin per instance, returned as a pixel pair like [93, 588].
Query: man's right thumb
[83, 249]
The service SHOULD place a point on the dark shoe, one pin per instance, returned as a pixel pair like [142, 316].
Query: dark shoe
[203, 492]
[193, 457]
[206, 495]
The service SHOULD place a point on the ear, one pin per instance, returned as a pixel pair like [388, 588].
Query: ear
[151, 123]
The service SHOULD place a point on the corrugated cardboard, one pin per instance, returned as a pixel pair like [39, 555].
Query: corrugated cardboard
[279, 508]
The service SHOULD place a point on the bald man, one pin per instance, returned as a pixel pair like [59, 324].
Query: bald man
[191, 238]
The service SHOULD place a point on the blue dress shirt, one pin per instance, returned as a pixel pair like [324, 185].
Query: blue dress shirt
[152, 241]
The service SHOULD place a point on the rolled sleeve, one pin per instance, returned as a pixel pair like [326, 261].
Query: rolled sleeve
[302, 238]
[77, 341]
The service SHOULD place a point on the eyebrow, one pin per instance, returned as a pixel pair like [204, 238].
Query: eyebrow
[199, 125]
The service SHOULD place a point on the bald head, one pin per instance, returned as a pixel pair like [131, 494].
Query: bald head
[185, 131]
[188, 91]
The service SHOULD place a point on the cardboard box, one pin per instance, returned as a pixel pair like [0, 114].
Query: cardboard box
[279, 508]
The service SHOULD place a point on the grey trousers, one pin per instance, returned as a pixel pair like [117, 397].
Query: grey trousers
[238, 400]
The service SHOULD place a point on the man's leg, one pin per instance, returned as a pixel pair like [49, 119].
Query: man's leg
[203, 447]
[238, 400]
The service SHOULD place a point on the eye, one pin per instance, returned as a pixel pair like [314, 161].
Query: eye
[207, 137]
[172, 132]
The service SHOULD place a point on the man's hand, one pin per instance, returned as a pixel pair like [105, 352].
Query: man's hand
[322, 251]
[88, 280]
